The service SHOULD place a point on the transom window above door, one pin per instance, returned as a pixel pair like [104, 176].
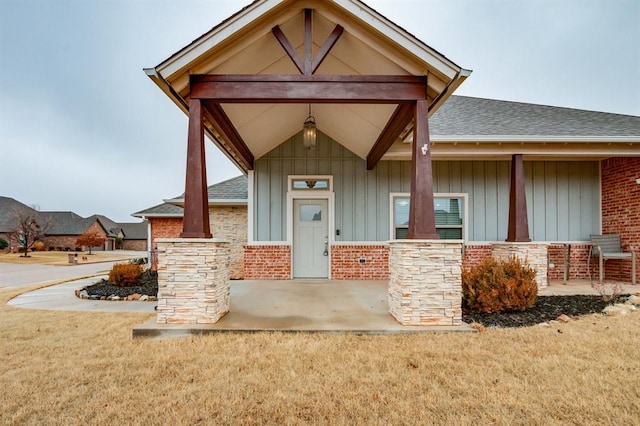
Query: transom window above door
[450, 214]
[310, 183]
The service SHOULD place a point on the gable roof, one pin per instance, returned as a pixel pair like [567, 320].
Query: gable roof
[245, 45]
[9, 210]
[231, 192]
[65, 223]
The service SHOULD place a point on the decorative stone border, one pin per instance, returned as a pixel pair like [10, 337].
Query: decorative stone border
[81, 293]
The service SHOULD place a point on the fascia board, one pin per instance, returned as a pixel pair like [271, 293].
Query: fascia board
[533, 138]
[401, 37]
[215, 36]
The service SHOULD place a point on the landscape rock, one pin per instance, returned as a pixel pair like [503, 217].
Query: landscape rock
[144, 297]
[563, 318]
[618, 309]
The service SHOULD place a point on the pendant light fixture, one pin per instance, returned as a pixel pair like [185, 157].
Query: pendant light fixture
[309, 131]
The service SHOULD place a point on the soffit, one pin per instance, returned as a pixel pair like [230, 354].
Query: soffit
[369, 45]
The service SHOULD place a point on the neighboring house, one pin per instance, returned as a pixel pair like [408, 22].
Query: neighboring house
[351, 140]
[227, 214]
[62, 229]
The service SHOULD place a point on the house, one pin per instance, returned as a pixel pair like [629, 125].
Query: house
[227, 211]
[62, 229]
[362, 165]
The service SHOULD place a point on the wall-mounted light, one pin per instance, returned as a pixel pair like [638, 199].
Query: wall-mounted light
[309, 131]
[638, 181]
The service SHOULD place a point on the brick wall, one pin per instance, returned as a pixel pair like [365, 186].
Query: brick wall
[135, 245]
[227, 222]
[272, 262]
[475, 254]
[578, 257]
[621, 210]
[345, 263]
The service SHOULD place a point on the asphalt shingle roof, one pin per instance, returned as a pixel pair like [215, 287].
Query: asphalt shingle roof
[232, 189]
[466, 116]
[65, 223]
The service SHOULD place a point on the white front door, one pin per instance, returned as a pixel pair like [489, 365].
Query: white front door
[310, 239]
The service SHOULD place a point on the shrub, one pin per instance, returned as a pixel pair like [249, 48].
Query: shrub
[3, 244]
[499, 286]
[125, 274]
[38, 246]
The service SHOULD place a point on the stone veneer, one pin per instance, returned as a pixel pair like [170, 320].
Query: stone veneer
[193, 280]
[533, 253]
[425, 282]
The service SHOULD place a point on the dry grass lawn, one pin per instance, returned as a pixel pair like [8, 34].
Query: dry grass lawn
[84, 368]
[62, 257]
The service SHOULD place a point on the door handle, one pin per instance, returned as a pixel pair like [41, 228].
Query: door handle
[326, 247]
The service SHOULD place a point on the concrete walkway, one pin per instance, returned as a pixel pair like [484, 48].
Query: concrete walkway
[298, 305]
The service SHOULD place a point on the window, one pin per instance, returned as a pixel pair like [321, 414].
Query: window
[311, 183]
[449, 215]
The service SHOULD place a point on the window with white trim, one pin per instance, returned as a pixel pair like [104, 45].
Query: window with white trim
[449, 215]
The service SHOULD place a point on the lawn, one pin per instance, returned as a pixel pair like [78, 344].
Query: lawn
[84, 368]
[62, 257]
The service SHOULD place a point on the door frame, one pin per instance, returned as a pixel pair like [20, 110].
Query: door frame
[311, 195]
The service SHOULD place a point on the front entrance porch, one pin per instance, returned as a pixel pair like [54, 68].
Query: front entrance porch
[301, 305]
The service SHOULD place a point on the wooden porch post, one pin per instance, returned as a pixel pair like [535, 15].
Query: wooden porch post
[196, 200]
[422, 221]
[518, 231]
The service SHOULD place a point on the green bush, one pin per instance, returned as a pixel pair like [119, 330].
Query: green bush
[126, 274]
[499, 286]
[3, 244]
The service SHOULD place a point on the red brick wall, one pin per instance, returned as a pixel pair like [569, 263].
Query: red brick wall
[345, 264]
[475, 254]
[621, 210]
[578, 258]
[271, 262]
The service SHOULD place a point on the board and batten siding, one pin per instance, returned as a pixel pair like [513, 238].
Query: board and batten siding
[563, 200]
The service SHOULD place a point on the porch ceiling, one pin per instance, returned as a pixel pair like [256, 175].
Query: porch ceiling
[245, 45]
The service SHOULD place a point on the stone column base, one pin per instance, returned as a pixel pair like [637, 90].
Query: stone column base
[425, 282]
[533, 253]
[193, 280]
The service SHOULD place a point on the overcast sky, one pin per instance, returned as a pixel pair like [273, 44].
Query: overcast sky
[83, 129]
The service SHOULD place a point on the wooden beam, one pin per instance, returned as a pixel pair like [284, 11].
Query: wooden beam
[326, 47]
[308, 89]
[308, 41]
[422, 219]
[225, 128]
[195, 223]
[400, 119]
[288, 48]
[518, 230]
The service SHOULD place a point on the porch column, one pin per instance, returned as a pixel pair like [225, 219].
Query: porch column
[196, 200]
[422, 221]
[518, 231]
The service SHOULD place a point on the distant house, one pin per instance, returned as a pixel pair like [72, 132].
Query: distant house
[62, 229]
[227, 214]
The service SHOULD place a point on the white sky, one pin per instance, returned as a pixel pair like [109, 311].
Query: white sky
[83, 129]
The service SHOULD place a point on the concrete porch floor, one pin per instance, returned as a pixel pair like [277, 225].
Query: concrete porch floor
[301, 306]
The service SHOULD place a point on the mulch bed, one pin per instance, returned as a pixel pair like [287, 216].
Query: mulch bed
[105, 288]
[547, 308]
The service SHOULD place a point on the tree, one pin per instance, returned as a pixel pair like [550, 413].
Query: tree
[28, 231]
[90, 239]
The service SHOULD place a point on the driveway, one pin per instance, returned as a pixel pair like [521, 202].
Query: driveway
[15, 275]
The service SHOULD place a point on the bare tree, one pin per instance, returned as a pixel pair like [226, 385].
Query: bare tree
[28, 230]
